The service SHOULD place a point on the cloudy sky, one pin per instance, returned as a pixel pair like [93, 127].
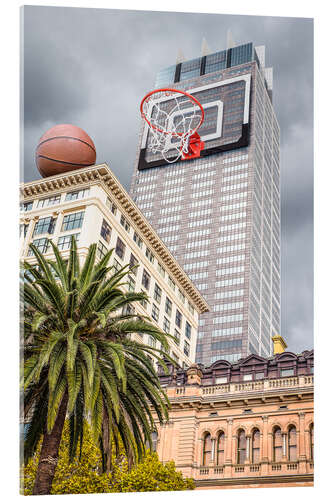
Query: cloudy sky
[91, 67]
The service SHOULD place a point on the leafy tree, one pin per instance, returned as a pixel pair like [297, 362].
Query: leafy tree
[151, 475]
[80, 361]
[83, 474]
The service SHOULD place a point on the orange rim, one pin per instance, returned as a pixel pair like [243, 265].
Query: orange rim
[146, 97]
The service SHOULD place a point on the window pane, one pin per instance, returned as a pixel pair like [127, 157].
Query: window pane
[155, 312]
[287, 372]
[277, 439]
[292, 444]
[241, 447]
[111, 206]
[166, 325]
[72, 221]
[124, 222]
[178, 319]
[106, 231]
[188, 330]
[220, 448]
[45, 225]
[42, 244]
[77, 195]
[255, 447]
[137, 239]
[157, 293]
[168, 306]
[145, 279]
[64, 242]
[120, 248]
[133, 264]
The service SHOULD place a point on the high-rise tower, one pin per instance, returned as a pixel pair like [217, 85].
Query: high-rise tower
[220, 214]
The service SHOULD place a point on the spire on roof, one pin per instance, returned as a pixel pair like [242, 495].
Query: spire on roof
[230, 40]
[205, 49]
[180, 57]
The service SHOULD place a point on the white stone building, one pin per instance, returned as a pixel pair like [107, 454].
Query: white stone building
[92, 204]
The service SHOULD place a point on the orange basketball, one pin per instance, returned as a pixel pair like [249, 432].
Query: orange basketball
[64, 148]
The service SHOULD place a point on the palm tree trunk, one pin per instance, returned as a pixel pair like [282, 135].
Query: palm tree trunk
[49, 453]
[106, 442]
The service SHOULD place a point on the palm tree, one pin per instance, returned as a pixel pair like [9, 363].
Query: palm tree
[80, 360]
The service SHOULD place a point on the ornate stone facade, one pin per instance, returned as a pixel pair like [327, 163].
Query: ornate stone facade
[244, 424]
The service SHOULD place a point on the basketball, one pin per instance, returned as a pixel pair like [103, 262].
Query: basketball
[64, 148]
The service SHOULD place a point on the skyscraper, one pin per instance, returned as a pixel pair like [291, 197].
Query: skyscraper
[220, 214]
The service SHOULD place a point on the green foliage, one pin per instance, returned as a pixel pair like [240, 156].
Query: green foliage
[76, 476]
[151, 475]
[83, 475]
[77, 342]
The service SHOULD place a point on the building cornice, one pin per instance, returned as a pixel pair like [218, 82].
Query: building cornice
[101, 174]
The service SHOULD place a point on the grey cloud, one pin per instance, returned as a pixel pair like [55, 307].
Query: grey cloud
[91, 67]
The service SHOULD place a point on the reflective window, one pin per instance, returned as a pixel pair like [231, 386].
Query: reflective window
[77, 195]
[287, 372]
[149, 255]
[292, 444]
[177, 336]
[241, 447]
[166, 325]
[207, 449]
[120, 248]
[111, 206]
[215, 62]
[255, 446]
[41, 244]
[155, 312]
[157, 293]
[101, 250]
[72, 221]
[64, 242]
[23, 229]
[188, 330]
[133, 264]
[168, 306]
[116, 265]
[277, 445]
[45, 225]
[124, 222]
[137, 239]
[145, 279]
[186, 348]
[131, 284]
[25, 207]
[106, 231]
[311, 441]
[46, 202]
[220, 448]
[178, 319]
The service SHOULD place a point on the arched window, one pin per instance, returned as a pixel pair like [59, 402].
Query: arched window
[241, 447]
[154, 437]
[220, 448]
[207, 449]
[311, 441]
[292, 444]
[277, 445]
[255, 446]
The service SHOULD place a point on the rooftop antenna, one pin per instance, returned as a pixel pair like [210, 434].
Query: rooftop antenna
[205, 49]
[230, 40]
[180, 57]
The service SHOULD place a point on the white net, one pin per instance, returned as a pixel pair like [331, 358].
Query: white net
[173, 118]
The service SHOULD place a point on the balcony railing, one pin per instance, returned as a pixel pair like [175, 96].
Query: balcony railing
[258, 385]
[249, 470]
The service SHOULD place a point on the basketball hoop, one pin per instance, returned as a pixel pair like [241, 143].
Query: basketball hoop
[173, 117]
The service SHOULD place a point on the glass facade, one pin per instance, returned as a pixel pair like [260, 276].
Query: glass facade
[207, 64]
[221, 212]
